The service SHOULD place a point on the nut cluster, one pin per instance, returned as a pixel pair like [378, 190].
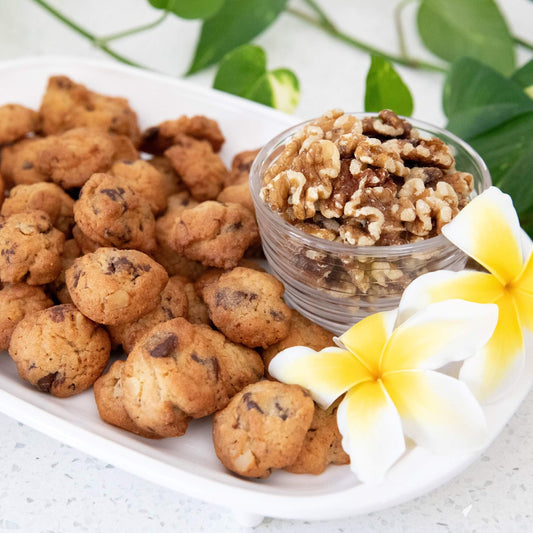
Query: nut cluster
[375, 181]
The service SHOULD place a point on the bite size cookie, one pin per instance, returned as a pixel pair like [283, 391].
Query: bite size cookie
[240, 167]
[262, 428]
[67, 105]
[47, 197]
[248, 307]
[111, 213]
[19, 163]
[16, 121]
[173, 303]
[156, 139]
[30, 248]
[214, 234]
[16, 301]
[322, 445]
[124, 148]
[172, 183]
[145, 180]
[113, 286]
[197, 312]
[238, 194]
[59, 288]
[85, 244]
[200, 168]
[180, 370]
[302, 332]
[60, 351]
[108, 397]
[71, 158]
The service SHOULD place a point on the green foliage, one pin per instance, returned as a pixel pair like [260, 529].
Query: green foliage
[243, 72]
[187, 9]
[495, 116]
[524, 78]
[475, 28]
[386, 90]
[236, 23]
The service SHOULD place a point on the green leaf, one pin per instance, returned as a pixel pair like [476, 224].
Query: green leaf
[475, 28]
[237, 23]
[477, 98]
[243, 72]
[524, 78]
[508, 152]
[190, 9]
[385, 89]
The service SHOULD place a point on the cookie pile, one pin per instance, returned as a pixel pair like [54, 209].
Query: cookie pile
[111, 237]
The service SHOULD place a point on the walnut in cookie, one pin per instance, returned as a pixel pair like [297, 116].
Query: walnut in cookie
[111, 213]
[47, 197]
[16, 121]
[16, 301]
[113, 286]
[156, 139]
[30, 248]
[214, 234]
[247, 306]
[180, 370]
[59, 351]
[262, 428]
[200, 168]
[67, 105]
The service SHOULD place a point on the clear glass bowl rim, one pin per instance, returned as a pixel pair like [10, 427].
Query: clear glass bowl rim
[256, 173]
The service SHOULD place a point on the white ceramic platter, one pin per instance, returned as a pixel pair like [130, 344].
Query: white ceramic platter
[188, 464]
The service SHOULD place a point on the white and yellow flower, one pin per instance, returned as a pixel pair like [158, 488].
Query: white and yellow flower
[391, 386]
[487, 230]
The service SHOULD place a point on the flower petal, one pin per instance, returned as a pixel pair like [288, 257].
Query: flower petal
[437, 411]
[495, 368]
[442, 285]
[524, 307]
[371, 430]
[326, 374]
[368, 337]
[439, 334]
[487, 229]
[524, 281]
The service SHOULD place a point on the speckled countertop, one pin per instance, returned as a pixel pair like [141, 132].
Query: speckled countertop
[46, 486]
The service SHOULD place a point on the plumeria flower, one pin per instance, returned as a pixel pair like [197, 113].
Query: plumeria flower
[391, 386]
[487, 230]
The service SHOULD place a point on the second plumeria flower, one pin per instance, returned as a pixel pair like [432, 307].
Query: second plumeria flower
[391, 386]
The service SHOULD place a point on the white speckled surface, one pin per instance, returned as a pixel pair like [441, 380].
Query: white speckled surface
[46, 486]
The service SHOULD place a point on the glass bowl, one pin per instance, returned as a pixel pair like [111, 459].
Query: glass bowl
[336, 284]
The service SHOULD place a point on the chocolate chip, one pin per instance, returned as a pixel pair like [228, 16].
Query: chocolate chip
[278, 316]
[165, 347]
[114, 194]
[209, 361]
[250, 404]
[27, 165]
[230, 299]
[45, 384]
[282, 413]
[77, 276]
[57, 313]
[236, 226]
[120, 264]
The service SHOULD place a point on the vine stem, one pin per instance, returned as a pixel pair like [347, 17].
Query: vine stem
[325, 23]
[398, 12]
[99, 43]
[523, 43]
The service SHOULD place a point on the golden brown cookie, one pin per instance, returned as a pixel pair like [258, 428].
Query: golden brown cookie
[59, 288]
[157, 139]
[111, 213]
[19, 163]
[322, 445]
[200, 168]
[240, 167]
[60, 351]
[30, 248]
[124, 148]
[113, 286]
[67, 105]
[171, 181]
[85, 244]
[16, 301]
[173, 303]
[248, 307]
[47, 197]
[302, 332]
[262, 428]
[178, 370]
[238, 194]
[71, 158]
[197, 310]
[108, 397]
[145, 180]
[15, 122]
[215, 234]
